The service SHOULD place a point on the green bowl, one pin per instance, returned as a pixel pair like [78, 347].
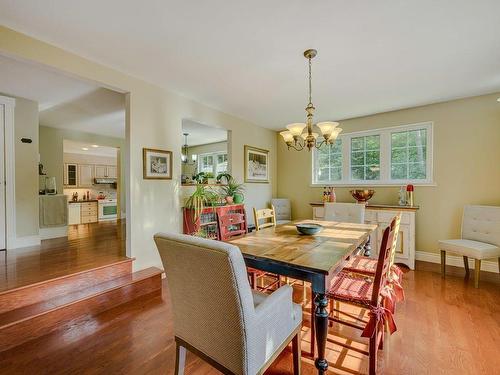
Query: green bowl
[309, 229]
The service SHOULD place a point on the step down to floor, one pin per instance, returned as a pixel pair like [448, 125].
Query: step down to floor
[28, 322]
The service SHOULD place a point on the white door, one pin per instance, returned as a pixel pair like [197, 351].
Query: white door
[85, 175]
[2, 176]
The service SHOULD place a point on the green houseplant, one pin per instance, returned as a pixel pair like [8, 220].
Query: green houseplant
[210, 178]
[222, 176]
[202, 197]
[233, 191]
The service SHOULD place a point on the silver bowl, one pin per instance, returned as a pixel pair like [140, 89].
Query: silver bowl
[309, 228]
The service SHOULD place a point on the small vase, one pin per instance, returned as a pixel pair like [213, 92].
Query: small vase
[229, 200]
[238, 198]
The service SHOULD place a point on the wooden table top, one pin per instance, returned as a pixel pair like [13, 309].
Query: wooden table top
[321, 253]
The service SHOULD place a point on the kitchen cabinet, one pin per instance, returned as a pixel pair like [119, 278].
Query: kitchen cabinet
[105, 171]
[382, 216]
[74, 213]
[88, 212]
[70, 175]
[85, 175]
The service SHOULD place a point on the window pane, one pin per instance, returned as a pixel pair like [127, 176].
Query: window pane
[416, 171]
[372, 157]
[372, 172]
[357, 143]
[372, 142]
[323, 174]
[336, 174]
[328, 162]
[417, 137]
[399, 155]
[357, 173]
[417, 154]
[399, 139]
[358, 158]
[399, 171]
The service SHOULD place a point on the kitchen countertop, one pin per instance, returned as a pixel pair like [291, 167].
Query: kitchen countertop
[84, 201]
[377, 206]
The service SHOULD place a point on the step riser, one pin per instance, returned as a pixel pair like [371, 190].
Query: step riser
[14, 299]
[29, 329]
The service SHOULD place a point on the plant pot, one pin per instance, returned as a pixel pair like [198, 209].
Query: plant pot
[238, 198]
[229, 200]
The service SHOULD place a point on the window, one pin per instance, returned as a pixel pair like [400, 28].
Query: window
[365, 158]
[389, 156]
[214, 162]
[329, 162]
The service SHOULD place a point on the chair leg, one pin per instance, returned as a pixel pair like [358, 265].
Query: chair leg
[296, 354]
[466, 266]
[477, 272]
[443, 263]
[180, 359]
[337, 306]
[304, 293]
[330, 323]
[253, 282]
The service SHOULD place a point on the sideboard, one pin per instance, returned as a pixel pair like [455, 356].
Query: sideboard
[382, 216]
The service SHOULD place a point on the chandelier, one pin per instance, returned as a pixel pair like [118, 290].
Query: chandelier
[185, 152]
[294, 136]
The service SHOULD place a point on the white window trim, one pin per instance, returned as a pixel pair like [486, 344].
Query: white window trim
[385, 158]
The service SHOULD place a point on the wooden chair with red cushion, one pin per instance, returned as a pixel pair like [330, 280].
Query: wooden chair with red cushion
[369, 294]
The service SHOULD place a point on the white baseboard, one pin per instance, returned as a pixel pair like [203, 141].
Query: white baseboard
[457, 261]
[26, 241]
[56, 232]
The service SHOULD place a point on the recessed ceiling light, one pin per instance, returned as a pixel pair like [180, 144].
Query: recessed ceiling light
[95, 146]
[85, 148]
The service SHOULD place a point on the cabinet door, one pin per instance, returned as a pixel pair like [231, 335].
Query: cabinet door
[74, 213]
[85, 175]
[100, 171]
[404, 242]
[71, 172]
[111, 171]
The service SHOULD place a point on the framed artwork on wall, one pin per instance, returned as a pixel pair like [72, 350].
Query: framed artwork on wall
[157, 164]
[256, 164]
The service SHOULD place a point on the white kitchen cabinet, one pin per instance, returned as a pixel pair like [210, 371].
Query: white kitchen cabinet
[73, 213]
[85, 175]
[105, 171]
[382, 216]
[111, 170]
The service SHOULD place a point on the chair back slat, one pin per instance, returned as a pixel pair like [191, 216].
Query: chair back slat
[396, 222]
[384, 259]
[266, 214]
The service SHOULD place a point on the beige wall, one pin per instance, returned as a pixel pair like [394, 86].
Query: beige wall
[52, 153]
[466, 166]
[202, 149]
[26, 155]
[154, 120]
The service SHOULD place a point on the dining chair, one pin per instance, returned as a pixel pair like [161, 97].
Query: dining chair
[345, 212]
[368, 294]
[283, 210]
[216, 314]
[368, 266]
[480, 239]
[231, 225]
[269, 217]
[264, 218]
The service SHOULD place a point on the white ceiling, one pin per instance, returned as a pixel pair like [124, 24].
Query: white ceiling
[245, 57]
[74, 147]
[200, 134]
[64, 102]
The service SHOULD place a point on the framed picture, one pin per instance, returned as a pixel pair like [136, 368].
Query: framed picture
[157, 164]
[256, 164]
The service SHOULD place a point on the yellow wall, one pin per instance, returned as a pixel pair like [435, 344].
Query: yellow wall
[466, 165]
[154, 120]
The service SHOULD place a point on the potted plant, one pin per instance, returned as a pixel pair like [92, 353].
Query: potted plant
[233, 192]
[201, 198]
[222, 176]
[200, 178]
[210, 178]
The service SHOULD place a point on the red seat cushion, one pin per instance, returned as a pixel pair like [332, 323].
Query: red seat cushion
[361, 264]
[351, 288]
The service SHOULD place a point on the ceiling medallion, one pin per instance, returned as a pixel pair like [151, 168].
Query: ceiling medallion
[294, 138]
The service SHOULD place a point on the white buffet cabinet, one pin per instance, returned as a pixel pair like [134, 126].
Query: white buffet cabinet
[382, 216]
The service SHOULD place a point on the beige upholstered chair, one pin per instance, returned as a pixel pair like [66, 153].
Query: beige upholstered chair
[216, 314]
[347, 212]
[480, 238]
[283, 210]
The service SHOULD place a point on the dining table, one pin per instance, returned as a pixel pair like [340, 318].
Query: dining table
[314, 258]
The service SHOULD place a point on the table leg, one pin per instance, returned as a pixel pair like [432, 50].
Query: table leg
[368, 247]
[321, 331]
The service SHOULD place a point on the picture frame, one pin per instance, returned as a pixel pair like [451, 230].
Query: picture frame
[256, 165]
[157, 164]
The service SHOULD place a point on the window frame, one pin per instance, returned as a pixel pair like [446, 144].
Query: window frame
[214, 158]
[385, 158]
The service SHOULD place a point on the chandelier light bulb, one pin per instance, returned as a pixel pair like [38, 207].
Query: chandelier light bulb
[296, 128]
[287, 136]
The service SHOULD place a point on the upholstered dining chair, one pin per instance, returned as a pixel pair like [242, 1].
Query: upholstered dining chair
[480, 239]
[346, 212]
[216, 314]
[283, 210]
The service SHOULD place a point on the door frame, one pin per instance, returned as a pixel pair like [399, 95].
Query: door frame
[10, 172]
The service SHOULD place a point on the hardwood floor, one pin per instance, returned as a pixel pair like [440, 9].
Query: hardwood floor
[87, 246]
[444, 327]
